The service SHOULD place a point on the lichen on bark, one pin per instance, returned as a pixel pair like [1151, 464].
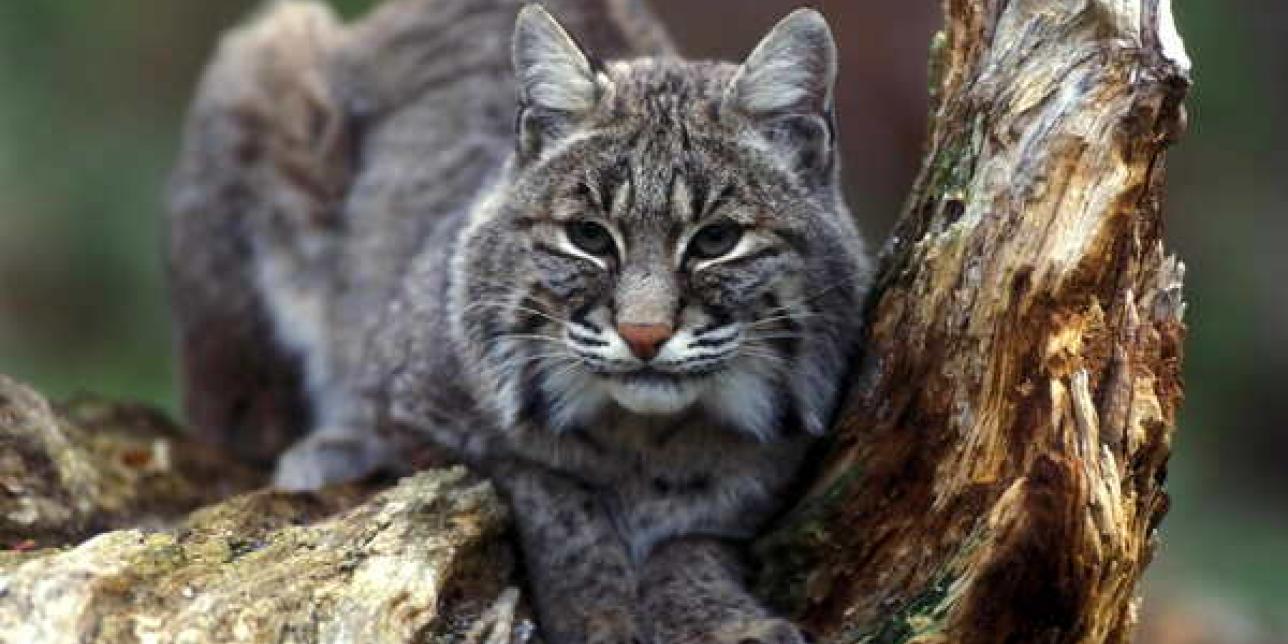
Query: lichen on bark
[425, 560]
[425, 557]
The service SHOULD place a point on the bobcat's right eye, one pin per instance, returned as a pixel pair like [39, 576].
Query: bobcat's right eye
[592, 238]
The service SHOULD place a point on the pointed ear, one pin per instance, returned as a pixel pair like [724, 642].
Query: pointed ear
[558, 84]
[785, 88]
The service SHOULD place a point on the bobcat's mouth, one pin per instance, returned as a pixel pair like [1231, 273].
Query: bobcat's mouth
[651, 375]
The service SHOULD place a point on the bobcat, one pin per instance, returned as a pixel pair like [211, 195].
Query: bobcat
[632, 307]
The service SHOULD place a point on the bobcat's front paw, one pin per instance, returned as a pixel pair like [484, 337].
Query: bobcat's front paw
[608, 627]
[613, 627]
[615, 634]
[760, 631]
[325, 458]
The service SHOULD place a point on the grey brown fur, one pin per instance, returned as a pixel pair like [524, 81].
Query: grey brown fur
[423, 252]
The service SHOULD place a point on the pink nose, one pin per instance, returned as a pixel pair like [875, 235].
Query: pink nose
[645, 340]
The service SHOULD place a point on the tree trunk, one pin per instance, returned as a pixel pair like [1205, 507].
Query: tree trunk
[998, 472]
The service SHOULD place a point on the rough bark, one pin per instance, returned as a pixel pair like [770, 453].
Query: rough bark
[71, 470]
[998, 473]
[423, 561]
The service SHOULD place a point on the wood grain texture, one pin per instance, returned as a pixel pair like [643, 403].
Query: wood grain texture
[998, 471]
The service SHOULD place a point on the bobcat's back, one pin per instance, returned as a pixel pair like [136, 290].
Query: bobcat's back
[317, 159]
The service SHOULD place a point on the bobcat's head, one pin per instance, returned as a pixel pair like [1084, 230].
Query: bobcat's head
[669, 239]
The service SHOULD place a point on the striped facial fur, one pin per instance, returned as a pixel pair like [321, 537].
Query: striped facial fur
[672, 241]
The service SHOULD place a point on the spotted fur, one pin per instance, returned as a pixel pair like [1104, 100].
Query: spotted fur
[484, 297]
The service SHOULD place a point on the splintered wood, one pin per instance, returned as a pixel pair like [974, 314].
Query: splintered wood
[998, 474]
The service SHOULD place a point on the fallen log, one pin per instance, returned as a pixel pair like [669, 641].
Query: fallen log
[425, 560]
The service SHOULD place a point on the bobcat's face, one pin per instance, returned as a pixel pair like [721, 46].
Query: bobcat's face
[677, 284]
[668, 248]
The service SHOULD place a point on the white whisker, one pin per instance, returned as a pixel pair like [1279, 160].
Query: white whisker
[792, 317]
[515, 364]
[531, 336]
[784, 307]
[515, 307]
[776, 336]
[575, 364]
[764, 355]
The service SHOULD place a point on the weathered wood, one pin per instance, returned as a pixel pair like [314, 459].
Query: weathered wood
[71, 470]
[426, 560]
[998, 473]
[422, 561]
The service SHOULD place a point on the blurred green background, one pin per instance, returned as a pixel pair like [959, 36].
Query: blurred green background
[91, 100]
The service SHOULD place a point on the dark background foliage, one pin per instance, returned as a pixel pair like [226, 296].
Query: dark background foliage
[92, 93]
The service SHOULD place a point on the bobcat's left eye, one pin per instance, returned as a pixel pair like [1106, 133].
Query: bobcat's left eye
[715, 240]
[592, 238]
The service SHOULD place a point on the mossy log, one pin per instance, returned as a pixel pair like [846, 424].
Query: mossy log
[424, 561]
[998, 472]
[78, 468]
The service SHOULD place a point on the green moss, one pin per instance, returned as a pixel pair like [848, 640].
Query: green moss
[953, 173]
[926, 611]
[790, 553]
[923, 614]
[937, 64]
[954, 167]
[160, 556]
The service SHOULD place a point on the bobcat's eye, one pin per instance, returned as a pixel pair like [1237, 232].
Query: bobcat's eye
[591, 237]
[715, 240]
